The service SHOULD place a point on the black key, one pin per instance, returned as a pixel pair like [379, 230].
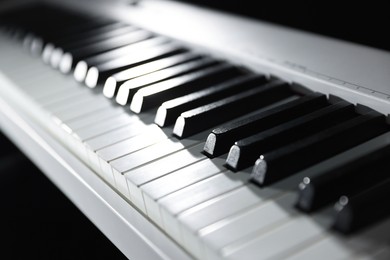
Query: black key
[209, 115]
[156, 94]
[98, 74]
[366, 208]
[134, 85]
[289, 159]
[94, 48]
[72, 44]
[114, 42]
[109, 44]
[348, 179]
[83, 61]
[70, 34]
[79, 39]
[222, 138]
[124, 94]
[48, 36]
[53, 24]
[170, 110]
[245, 151]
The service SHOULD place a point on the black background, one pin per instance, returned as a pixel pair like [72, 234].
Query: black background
[37, 221]
[364, 22]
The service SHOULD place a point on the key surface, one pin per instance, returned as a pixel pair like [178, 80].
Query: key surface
[99, 73]
[368, 244]
[95, 36]
[105, 126]
[346, 179]
[117, 135]
[259, 220]
[83, 62]
[177, 202]
[112, 43]
[156, 94]
[130, 145]
[133, 85]
[363, 209]
[158, 169]
[281, 241]
[116, 82]
[102, 114]
[170, 110]
[222, 138]
[177, 180]
[286, 160]
[209, 115]
[148, 154]
[244, 152]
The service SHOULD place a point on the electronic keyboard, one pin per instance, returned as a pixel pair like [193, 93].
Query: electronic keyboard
[179, 139]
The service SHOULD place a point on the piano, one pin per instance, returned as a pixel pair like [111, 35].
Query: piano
[184, 132]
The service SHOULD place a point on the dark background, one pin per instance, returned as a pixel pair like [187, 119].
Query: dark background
[37, 221]
[364, 22]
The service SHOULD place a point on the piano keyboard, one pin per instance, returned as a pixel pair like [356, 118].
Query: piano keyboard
[228, 162]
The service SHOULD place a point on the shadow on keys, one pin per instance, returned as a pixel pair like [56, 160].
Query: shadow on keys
[38, 221]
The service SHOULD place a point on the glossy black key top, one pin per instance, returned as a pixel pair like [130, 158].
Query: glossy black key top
[94, 48]
[124, 94]
[98, 74]
[134, 85]
[363, 209]
[93, 36]
[204, 117]
[83, 61]
[156, 94]
[54, 35]
[68, 46]
[347, 179]
[74, 35]
[170, 110]
[285, 161]
[222, 138]
[245, 151]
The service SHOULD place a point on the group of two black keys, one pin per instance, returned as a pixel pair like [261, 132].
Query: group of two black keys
[284, 132]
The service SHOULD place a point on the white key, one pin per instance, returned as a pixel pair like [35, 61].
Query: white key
[40, 84]
[102, 114]
[128, 146]
[79, 111]
[212, 238]
[31, 72]
[157, 169]
[115, 136]
[365, 243]
[46, 86]
[144, 69]
[151, 153]
[105, 126]
[105, 155]
[281, 241]
[177, 202]
[197, 219]
[177, 180]
[207, 215]
[69, 103]
[65, 94]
